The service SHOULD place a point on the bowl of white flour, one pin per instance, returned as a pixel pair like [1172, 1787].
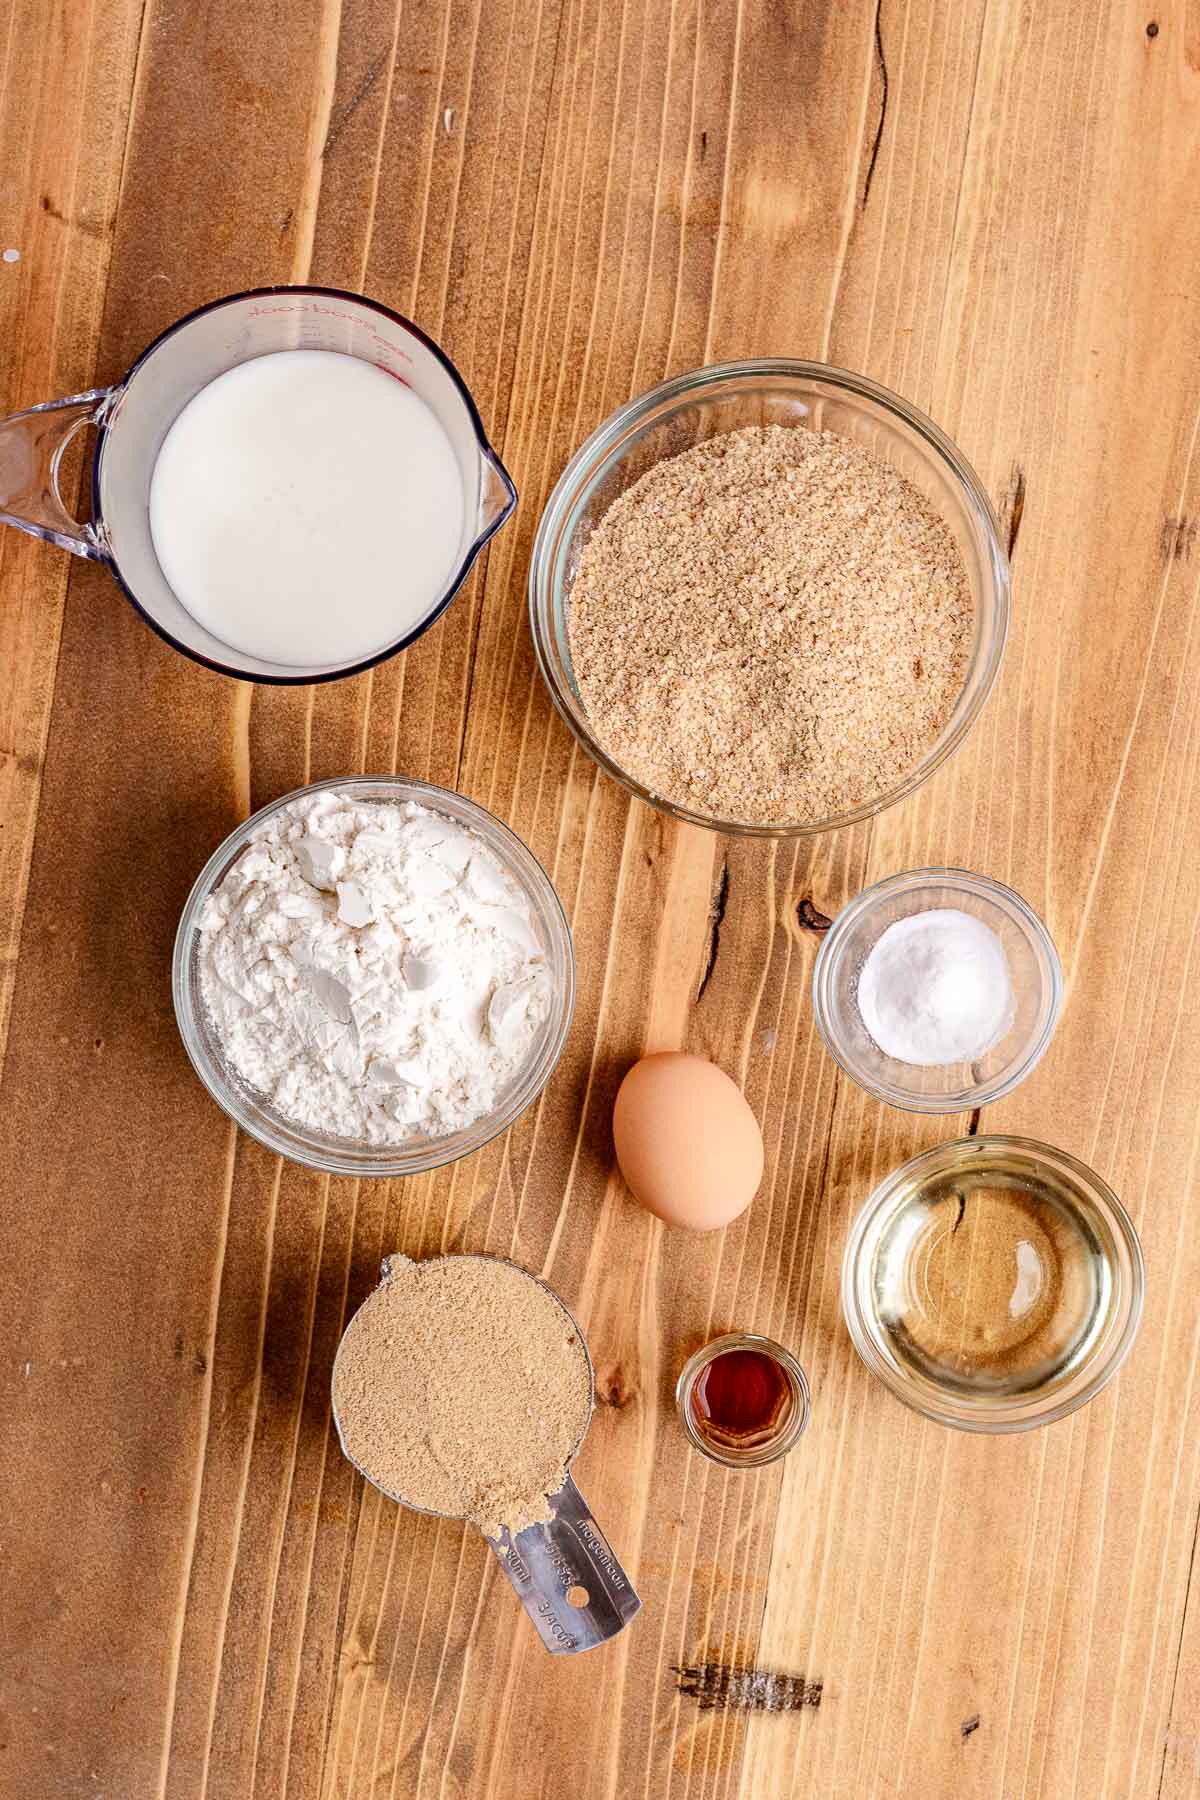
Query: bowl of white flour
[373, 976]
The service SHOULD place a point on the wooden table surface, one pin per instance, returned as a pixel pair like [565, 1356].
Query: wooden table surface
[989, 205]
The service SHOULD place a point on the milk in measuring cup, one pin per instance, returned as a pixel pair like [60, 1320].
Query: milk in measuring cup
[307, 508]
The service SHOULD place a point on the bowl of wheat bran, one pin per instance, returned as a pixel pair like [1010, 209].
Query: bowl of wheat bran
[769, 597]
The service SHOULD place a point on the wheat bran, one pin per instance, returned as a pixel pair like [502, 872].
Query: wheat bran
[773, 626]
[462, 1386]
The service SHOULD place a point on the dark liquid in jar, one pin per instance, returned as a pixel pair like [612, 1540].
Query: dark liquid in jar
[741, 1398]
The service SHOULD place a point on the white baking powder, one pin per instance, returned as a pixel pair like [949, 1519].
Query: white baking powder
[372, 970]
[935, 989]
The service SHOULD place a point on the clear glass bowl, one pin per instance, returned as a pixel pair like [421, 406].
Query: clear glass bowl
[788, 1432]
[776, 391]
[1033, 967]
[1012, 1322]
[342, 1156]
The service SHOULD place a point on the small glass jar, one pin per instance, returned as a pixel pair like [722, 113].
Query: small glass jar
[760, 1449]
[1033, 967]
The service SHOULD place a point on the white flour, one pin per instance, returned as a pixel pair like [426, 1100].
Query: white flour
[372, 970]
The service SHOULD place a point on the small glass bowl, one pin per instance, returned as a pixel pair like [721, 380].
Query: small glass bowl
[771, 391]
[1066, 1324]
[793, 1427]
[344, 1156]
[1033, 967]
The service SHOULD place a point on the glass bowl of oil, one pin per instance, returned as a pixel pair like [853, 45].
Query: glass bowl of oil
[993, 1283]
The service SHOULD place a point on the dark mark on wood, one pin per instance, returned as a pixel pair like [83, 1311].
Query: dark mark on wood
[286, 224]
[703, 145]
[613, 1390]
[809, 917]
[976, 1111]
[1015, 506]
[729, 1687]
[89, 227]
[968, 1726]
[1152, 29]
[881, 64]
[720, 901]
[26, 762]
[337, 126]
[827, 1151]
[1177, 539]
[200, 1363]
[179, 1346]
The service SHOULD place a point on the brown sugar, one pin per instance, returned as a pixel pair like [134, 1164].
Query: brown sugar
[462, 1386]
[773, 626]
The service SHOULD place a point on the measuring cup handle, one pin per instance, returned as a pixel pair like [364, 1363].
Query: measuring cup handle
[32, 446]
[568, 1556]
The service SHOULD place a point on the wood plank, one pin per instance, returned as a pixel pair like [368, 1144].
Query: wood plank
[65, 87]
[145, 767]
[1070, 1677]
[989, 207]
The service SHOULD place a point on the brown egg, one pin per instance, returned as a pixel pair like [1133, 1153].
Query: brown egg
[687, 1142]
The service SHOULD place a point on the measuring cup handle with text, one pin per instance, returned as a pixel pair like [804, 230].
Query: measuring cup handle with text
[567, 1578]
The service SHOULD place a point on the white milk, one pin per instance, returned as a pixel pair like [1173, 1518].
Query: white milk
[307, 508]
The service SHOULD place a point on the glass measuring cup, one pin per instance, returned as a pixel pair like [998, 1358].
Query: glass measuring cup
[134, 415]
[562, 1571]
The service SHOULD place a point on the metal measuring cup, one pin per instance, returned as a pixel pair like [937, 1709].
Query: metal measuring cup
[566, 1554]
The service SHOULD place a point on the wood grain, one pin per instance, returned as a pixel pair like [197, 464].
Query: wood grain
[989, 206]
